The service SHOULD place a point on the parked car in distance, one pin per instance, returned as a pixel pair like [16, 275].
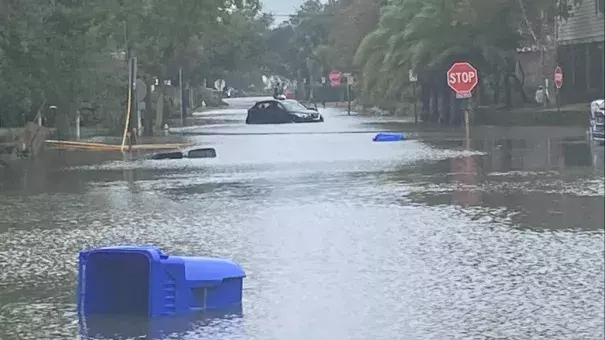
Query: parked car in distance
[280, 111]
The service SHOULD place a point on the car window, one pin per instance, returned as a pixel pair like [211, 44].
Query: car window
[293, 105]
[262, 106]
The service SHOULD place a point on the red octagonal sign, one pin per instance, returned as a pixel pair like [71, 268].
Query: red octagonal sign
[462, 78]
[558, 77]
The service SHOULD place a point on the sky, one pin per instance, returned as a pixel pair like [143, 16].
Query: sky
[281, 7]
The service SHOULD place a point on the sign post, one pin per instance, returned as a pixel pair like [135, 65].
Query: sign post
[558, 80]
[348, 82]
[462, 77]
[413, 79]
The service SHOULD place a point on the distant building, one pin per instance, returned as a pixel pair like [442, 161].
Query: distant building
[581, 52]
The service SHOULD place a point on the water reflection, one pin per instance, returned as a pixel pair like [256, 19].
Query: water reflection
[521, 155]
[208, 325]
[539, 184]
[465, 175]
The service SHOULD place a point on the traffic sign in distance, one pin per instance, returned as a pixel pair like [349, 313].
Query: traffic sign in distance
[335, 77]
[558, 77]
[462, 78]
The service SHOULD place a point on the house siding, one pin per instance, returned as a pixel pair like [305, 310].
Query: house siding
[585, 26]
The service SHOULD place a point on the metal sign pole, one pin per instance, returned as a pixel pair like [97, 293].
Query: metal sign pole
[348, 97]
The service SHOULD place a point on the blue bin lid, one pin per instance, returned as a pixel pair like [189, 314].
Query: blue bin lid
[211, 269]
[197, 268]
[389, 137]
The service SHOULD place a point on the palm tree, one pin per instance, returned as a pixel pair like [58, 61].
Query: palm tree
[427, 36]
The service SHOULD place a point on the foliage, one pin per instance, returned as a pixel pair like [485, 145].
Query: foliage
[66, 53]
[427, 35]
[72, 53]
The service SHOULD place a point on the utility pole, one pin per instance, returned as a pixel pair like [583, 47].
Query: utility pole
[135, 104]
[181, 93]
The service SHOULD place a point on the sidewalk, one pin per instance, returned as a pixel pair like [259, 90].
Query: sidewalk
[571, 114]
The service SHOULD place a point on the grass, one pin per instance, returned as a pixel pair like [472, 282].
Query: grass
[570, 114]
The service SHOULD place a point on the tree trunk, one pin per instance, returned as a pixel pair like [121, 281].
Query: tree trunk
[481, 90]
[508, 97]
[457, 110]
[434, 104]
[497, 81]
[159, 108]
[425, 99]
[447, 104]
[452, 108]
[441, 106]
[519, 87]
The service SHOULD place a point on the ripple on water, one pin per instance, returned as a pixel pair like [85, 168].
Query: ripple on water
[411, 272]
[331, 252]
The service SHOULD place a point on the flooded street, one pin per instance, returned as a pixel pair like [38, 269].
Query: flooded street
[340, 237]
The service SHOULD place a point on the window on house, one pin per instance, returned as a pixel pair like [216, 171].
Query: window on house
[600, 6]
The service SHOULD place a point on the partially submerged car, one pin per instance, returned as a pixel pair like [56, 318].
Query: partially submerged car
[596, 128]
[280, 111]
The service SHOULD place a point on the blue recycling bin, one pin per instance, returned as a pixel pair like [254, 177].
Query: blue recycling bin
[146, 282]
[389, 137]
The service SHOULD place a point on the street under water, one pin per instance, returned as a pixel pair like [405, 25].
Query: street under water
[340, 237]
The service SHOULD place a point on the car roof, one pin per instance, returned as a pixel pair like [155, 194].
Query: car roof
[266, 101]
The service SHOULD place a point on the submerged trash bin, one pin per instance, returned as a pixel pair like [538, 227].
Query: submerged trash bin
[144, 281]
[142, 327]
[389, 137]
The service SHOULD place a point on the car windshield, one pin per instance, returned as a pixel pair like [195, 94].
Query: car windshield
[293, 105]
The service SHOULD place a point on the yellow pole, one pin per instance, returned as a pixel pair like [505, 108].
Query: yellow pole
[128, 109]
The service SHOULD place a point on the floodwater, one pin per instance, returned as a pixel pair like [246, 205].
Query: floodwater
[498, 236]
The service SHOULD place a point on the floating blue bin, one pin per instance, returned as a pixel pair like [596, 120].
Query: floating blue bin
[389, 137]
[143, 281]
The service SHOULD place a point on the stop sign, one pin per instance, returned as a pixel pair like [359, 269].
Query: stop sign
[462, 78]
[334, 77]
[558, 77]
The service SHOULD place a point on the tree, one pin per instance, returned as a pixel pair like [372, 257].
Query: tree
[65, 53]
[352, 21]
